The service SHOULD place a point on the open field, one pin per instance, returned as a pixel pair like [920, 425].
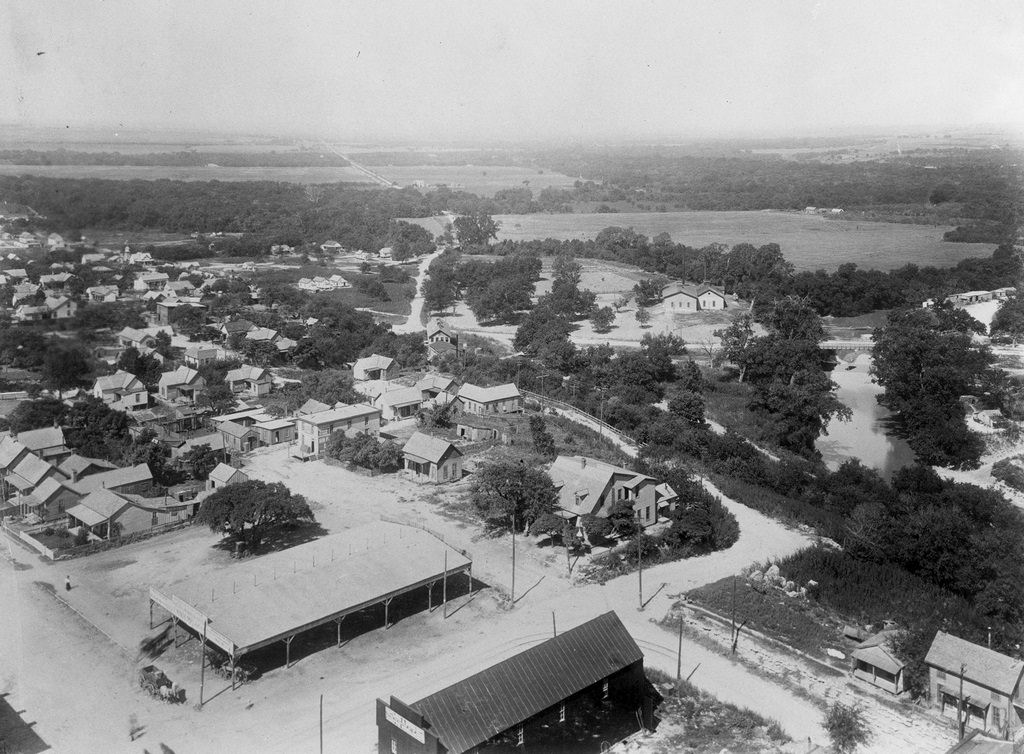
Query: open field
[147, 173]
[810, 242]
[483, 180]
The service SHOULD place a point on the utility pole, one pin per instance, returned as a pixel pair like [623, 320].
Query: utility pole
[513, 557]
[202, 665]
[960, 705]
[321, 724]
[640, 560]
[554, 627]
[679, 653]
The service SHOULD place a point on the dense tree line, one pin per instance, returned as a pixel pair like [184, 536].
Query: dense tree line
[926, 360]
[762, 274]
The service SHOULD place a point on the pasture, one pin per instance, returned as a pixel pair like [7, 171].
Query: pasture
[809, 242]
[483, 180]
[200, 173]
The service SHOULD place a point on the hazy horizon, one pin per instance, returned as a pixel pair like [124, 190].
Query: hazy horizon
[461, 72]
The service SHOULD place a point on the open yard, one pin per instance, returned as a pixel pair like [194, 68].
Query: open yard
[279, 711]
[810, 242]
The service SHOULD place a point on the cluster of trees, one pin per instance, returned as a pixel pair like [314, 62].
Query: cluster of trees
[793, 392]
[365, 450]
[926, 360]
[977, 183]
[495, 291]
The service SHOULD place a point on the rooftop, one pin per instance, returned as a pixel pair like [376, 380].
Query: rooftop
[339, 414]
[488, 394]
[428, 448]
[980, 664]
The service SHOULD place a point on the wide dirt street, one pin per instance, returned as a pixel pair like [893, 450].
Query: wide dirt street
[53, 658]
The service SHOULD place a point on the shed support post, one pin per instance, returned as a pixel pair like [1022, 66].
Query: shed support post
[338, 621]
[232, 671]
[387, 603]
[288, 651]
[174, 623]
[469, 575]
[151, 615]
[430, 597]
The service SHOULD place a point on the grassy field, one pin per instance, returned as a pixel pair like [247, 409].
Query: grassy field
[147, 173]
[810, 242]
[483, 180]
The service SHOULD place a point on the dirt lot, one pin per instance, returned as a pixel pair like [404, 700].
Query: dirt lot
[57, 657]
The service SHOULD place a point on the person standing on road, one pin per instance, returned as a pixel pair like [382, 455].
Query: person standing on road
[67, 583]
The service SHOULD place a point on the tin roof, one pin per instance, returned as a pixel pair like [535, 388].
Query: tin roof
[472, 711]
[427, 448]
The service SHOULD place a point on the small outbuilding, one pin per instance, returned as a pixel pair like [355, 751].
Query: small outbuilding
[875, 662]
[223, 475]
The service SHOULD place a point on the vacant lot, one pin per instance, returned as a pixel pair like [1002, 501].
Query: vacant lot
[810, 242]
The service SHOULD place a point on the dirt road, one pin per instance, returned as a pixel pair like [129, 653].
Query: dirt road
[279, 712]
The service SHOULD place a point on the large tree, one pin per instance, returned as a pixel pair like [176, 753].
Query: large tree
[251, 510]
[926, 359]
[475, 229]
[64, 367]
[510, 494]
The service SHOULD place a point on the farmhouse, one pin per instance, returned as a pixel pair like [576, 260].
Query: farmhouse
[992, 696]
[690, 298]
[375, 367]
[500, 399]
[224, 475]
[431, 459]
[314, 430]
[520, 699]
[587, 486]
[121, 390]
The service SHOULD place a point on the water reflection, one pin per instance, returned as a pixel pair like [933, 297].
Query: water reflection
[864, 436]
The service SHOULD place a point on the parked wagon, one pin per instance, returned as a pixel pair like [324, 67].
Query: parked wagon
[158, 685]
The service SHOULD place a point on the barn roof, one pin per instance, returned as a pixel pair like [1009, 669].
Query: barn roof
[472, 711]
[980, 664]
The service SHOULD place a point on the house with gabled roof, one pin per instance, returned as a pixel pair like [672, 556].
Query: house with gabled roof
[691, 298]
[375, 367]
[181, 386]
[433, 385]
[223, 475]
[76, 467]
[249, 381]
[875, 662]
[30, 472]
[587, 486]
[102, 293]
[199, 356]
[24, 291]
[499, 399]
[977, 682]
[236, 326]
[45, 442]
[238, 438]
[399, 403]
[150, 281]
[135, 480]
[121, 390]
[11, 453]
[432, 459]
[131, 336]
[105, 513]
[49, 500]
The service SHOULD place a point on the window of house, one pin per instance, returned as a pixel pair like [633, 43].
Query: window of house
[446, 473]
[519, 736]
[154, 519]
[394, 746]
[561, 713]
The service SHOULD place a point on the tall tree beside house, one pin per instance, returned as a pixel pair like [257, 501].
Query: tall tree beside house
[543, 442]
[42, 412]
[147, 449]
[252, 510]
[95, 430]
[143, 366]
[509, 494]
[162, 344]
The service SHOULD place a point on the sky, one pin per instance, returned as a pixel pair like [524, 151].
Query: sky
[522, 70]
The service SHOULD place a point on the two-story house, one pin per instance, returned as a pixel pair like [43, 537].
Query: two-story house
[121, 390]
[587, 486]
[375, 367]
[181, 386]
[314, 430]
